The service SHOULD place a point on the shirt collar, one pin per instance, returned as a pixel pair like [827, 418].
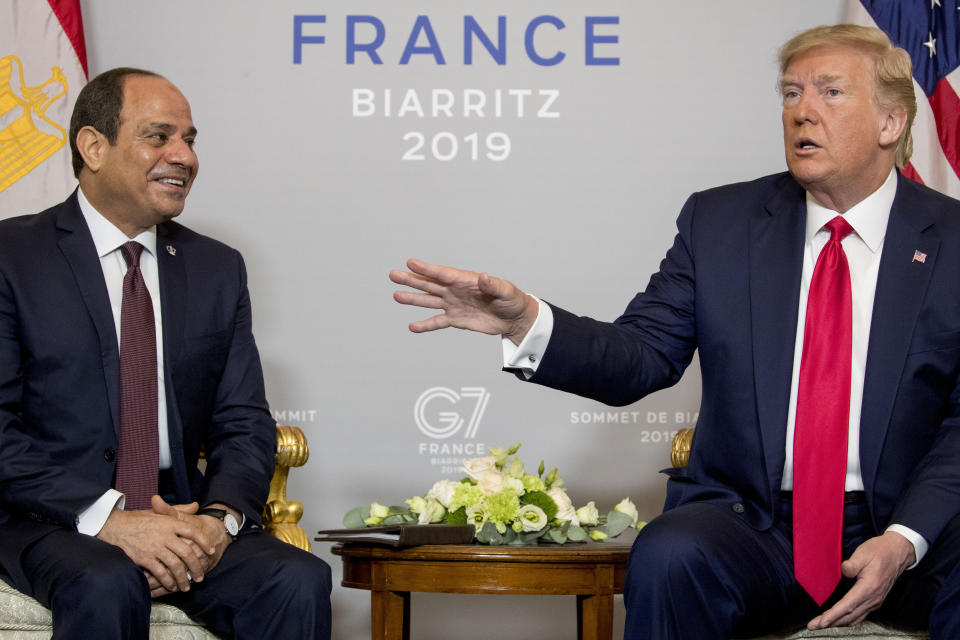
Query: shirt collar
[107, 238]
[868, 217]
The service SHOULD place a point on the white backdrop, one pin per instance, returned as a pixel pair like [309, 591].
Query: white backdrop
[322, 204]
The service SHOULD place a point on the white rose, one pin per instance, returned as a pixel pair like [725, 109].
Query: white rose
[432, 512]
[588, 514]
[490, 482]
[565, 510]
[475, 467]
[442, 492]
[627, 507]
[516, 485]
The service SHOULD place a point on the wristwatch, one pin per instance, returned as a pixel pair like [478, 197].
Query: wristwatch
[229, 522]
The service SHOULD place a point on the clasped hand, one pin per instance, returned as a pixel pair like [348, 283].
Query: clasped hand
[170, 543]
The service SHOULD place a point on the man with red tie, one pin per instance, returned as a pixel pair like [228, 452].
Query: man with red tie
[126, 348]
[824, 303]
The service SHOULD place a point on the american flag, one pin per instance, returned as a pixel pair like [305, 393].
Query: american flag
[930, 32]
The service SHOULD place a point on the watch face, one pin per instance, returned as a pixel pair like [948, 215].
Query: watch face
[231, 524]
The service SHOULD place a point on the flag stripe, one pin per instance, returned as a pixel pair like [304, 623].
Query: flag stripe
[936, 140]
[68, 13]
[946, 112]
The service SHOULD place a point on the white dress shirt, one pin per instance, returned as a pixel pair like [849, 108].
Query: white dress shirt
[108, 239]
[863, 248]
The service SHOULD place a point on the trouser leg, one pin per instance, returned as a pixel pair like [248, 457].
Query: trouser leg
[92, 588]
[262, 588]
[700, 571]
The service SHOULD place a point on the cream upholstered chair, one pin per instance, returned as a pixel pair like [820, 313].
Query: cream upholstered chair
[23, 618]
[868, 630]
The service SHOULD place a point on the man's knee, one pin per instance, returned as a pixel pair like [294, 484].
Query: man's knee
[115, 589]
[120, 580]
[668, 542]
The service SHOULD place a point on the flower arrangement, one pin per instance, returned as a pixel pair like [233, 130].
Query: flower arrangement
[506, 504]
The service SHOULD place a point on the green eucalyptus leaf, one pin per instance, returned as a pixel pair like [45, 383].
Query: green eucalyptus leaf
[396, 518]
[576, 533]
[617, 523]
[488, 534]
[354, 518]
[555, 535]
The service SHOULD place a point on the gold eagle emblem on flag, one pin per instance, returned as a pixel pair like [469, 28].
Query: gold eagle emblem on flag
[27, 136]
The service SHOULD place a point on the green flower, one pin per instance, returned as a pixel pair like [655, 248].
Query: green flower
[377, 513]
[589, 515]
[553, 479]
[465, 495]
[501, 508]
[516, 468]
[532, 483]
[416, 504]
[515, 485]
[532, 517]
[499, 456]
[432, 512]
[597, 535]
[456, 517]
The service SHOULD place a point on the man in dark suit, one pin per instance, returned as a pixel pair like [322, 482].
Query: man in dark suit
[731, 554]
[97, 516]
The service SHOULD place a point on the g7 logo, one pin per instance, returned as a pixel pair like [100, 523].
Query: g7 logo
[450, 422]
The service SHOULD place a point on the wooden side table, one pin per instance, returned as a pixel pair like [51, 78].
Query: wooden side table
[593, 572]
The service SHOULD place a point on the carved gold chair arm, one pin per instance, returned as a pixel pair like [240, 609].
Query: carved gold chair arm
[680, 451]
[280, 516]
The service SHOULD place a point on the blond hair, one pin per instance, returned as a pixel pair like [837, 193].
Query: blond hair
[893, 71]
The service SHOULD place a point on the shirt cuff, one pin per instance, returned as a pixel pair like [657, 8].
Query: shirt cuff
[92, 519]
[527, 355]
[920, 544]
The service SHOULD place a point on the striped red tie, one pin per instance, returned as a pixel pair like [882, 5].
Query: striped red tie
[138, 452]
[822, 423]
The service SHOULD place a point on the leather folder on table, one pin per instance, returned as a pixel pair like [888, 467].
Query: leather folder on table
[402, 535]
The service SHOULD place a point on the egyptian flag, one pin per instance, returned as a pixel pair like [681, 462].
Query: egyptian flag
[43, 65]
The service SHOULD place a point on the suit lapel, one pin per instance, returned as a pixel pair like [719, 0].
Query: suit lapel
[173, 291]
[901, 285]
[76, 245]
[173, 297]
[776, 262]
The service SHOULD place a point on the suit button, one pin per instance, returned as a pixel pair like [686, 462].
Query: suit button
[109, 454]
[737, 507]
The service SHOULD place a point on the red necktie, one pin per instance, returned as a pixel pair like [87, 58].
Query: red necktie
[139, 451]
[822, 423]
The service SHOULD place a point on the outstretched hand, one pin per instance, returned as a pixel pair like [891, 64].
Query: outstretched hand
[468, 300]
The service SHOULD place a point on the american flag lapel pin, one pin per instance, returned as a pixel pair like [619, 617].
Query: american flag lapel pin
[919, 256]
[172, 251]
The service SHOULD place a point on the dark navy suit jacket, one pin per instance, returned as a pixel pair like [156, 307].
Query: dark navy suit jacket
[729, 288]
[60, 376]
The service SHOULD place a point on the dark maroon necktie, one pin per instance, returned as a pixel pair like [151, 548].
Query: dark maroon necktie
[139, 450]
[822, 424]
